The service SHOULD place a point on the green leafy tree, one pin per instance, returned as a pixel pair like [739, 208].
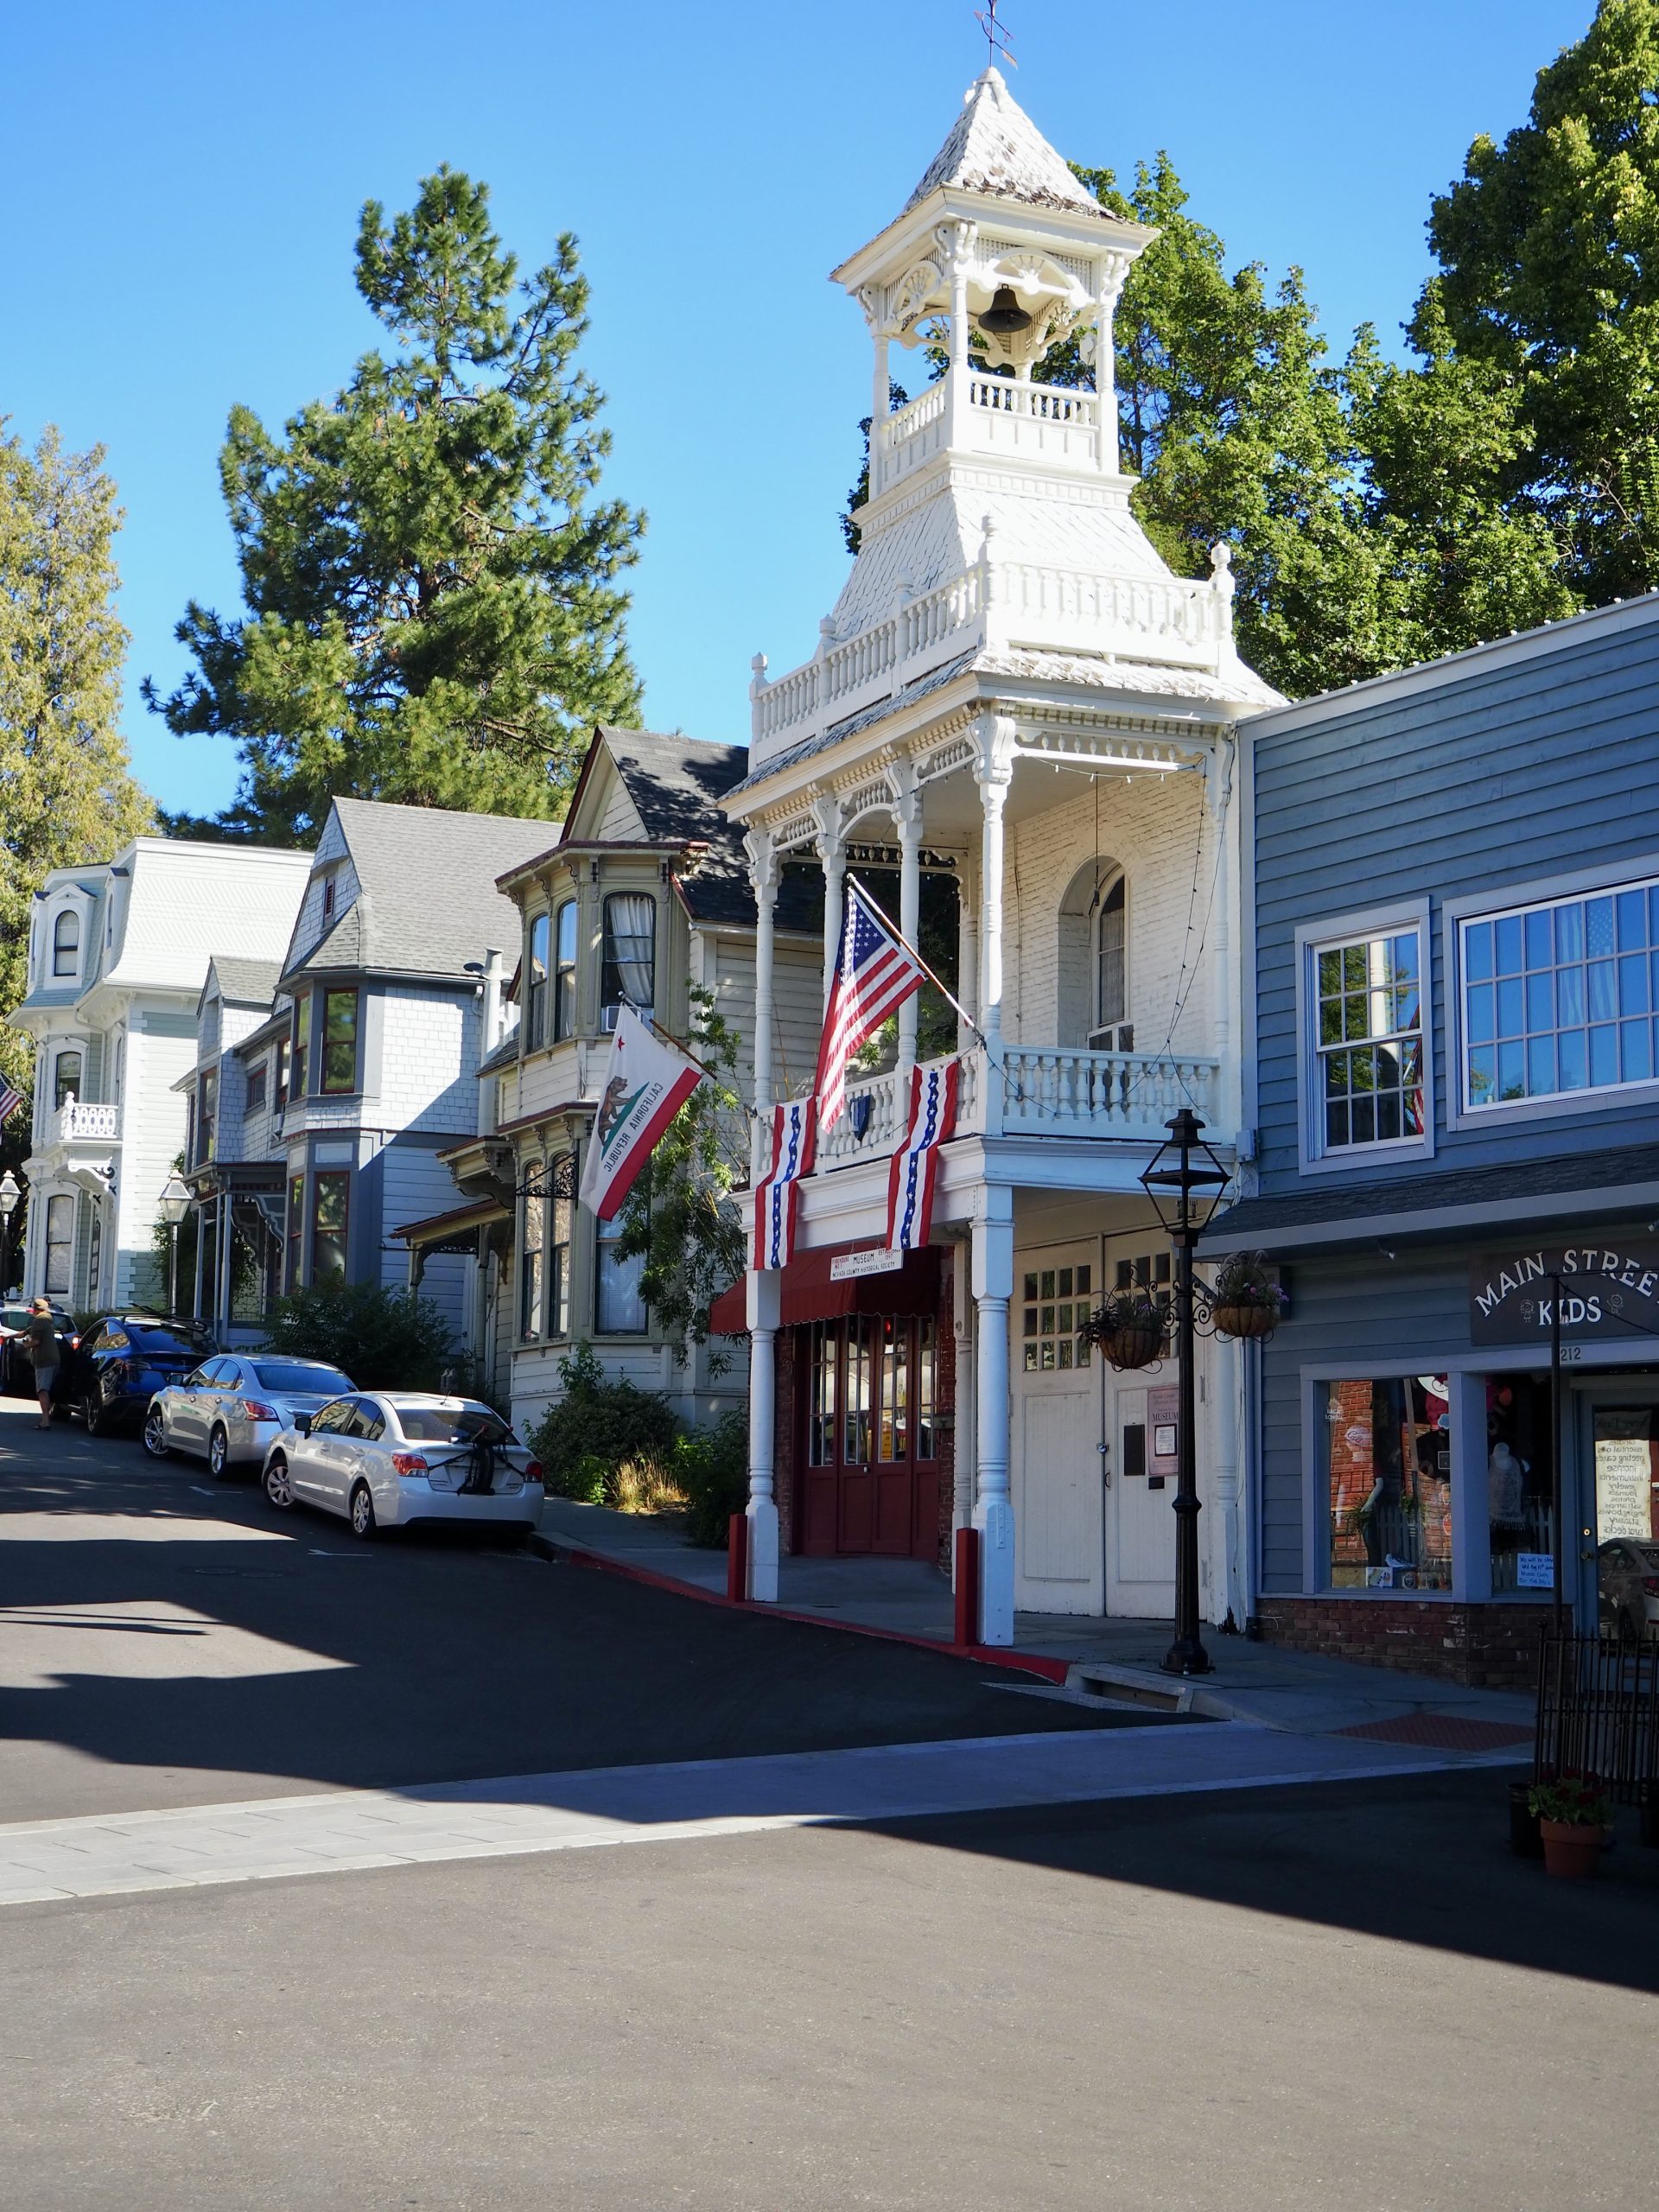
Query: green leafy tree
[66, 792]
[1549, 248]
[432, 607]
[681, 1217]
[384, 1339]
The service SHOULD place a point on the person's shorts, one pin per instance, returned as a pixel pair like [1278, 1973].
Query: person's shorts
[46, 1379]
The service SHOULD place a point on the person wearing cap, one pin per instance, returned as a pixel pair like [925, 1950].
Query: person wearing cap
[43, 1334]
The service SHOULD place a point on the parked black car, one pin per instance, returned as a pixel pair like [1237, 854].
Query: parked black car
[125, 1360]
[17, 1369]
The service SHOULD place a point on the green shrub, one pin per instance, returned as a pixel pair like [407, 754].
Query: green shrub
[598, 1426]
[712, 1467]
[384, 1339]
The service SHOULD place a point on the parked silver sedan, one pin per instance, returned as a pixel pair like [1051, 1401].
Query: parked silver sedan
[399, 1457]
[232, 1409]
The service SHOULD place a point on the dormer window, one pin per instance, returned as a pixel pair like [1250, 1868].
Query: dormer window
[66, 943]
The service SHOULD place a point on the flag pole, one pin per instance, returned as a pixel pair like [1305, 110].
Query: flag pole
[686, 1051]
[949, 997]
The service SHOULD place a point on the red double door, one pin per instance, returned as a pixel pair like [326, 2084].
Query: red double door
[869, 1443]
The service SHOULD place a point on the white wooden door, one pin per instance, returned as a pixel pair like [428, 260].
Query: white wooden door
[1140, 1488]
[1055, 1447]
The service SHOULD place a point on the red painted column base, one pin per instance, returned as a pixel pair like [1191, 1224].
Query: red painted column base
[967, 1592]
[737, 1558]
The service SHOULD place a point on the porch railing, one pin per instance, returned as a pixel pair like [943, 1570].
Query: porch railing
[75, 1119]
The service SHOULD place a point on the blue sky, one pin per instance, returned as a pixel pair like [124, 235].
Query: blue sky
[183, 185]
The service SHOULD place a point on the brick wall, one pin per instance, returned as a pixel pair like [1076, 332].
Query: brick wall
[1495, 1647]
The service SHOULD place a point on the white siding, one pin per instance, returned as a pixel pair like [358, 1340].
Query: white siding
[153, 1137]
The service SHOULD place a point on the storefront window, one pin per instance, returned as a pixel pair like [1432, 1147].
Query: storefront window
[1520, 1483]
[895, 1390]
[861, 1360]
[821, 1431]
[1390, 1483]
[926, 1366]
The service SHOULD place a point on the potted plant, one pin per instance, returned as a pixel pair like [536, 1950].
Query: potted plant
[1573, 1812]
[1246, 1299]
[1130, 1326]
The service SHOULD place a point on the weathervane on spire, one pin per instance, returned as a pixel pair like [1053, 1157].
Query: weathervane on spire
[997, 47]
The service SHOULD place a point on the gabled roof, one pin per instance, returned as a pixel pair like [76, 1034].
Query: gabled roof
[244, 982]
[426, 902]
[995, 148]
[676, 784]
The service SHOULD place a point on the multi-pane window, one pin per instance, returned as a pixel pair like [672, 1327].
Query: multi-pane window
[619, 1308]
[1056, 1303]
[630, 950]
[330, 1212]
[532, 1233]
[1561, 998]
[1370, 1040]
[825, 1350]
[339, 1040]
[858, 1401]
[536, 986]
[564, 971]
[894, 1430]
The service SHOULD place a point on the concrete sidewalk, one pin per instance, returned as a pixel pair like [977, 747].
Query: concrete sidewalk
[1297, 1692]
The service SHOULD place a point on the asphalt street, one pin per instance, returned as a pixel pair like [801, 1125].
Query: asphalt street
[1270, 1998]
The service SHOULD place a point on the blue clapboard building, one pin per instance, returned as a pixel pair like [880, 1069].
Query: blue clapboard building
[1454, 1087]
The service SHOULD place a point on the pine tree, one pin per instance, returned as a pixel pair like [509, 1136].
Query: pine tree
[66, 792]
[432, 611]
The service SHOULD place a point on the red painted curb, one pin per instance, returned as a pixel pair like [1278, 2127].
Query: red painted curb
[983, 1655]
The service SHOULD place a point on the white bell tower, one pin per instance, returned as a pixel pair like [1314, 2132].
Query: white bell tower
[998, 515]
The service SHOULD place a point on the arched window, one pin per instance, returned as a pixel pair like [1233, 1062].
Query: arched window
[66, 943]
[65, 1078]
[1092, 990]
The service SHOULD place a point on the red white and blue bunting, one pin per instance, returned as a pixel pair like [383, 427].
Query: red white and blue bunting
[916, 1163]
[794, 1140]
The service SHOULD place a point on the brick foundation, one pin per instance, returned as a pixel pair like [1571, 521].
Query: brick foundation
[1492, 1647]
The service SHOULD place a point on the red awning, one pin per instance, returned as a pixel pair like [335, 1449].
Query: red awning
[809, 1294]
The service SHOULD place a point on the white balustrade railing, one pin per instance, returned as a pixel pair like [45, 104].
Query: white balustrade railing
[1102, 1094]
[76, 1119]
[1037, 1090]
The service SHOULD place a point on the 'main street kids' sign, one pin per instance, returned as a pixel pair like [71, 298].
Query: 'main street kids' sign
[1607, 1291]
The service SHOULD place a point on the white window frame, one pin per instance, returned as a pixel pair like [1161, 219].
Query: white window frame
[1312, 938]
[1640, 872]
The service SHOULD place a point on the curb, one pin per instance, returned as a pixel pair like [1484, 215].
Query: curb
[981, 1654]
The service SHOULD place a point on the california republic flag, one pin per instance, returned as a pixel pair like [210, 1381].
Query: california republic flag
[646, 1083]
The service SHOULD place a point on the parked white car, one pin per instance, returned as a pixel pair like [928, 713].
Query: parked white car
[233, 1407]
[396, 1458]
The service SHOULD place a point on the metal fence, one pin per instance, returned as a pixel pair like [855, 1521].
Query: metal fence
[1598, 1712]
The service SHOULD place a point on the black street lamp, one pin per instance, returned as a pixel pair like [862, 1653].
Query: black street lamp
[173, 1205]
[1174, 1172]
[10, 1192]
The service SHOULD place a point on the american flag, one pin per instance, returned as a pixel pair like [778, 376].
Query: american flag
[874, 975]
[10, 1100]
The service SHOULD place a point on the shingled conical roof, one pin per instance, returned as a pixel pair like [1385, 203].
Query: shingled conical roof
[995, 148]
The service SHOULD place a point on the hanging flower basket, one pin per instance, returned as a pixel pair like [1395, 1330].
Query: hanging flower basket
[1130, 1327]
[1246, 1299]
[1135, 1347]
[1246, 1320]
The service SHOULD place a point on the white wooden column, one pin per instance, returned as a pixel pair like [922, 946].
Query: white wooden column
[1109, 271]
[994, 772]
[764, 1291]
[958, 241]
[992, 1286]
[832, 858]
[907, 812]
[763, 863]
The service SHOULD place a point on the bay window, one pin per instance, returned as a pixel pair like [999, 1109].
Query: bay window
[331, 1197]
[339, 1041]
[620, 1310]
[630, 969]
[60, 1245]
[564, 972]
[536, 986]
[529, 1253]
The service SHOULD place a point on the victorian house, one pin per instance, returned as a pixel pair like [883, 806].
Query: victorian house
[645, 900]
[118, 955]
[1016, 699]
